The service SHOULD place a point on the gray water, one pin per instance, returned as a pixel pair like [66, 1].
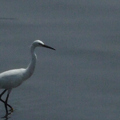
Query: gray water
[78, 81]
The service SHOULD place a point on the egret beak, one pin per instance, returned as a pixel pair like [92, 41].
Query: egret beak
[48, 47]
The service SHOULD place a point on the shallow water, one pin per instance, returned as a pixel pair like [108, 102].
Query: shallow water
[78, 81]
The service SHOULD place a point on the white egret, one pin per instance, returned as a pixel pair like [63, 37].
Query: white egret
[13, 78]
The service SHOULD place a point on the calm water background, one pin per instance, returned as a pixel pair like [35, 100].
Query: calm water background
[78, 81]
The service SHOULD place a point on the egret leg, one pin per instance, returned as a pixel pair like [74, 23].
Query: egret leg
[11, 109]
[7, 104]
[3, 93]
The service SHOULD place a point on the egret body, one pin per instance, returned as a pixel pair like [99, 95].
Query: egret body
[13, 78]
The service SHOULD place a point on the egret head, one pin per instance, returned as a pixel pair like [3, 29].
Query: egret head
[39, 43]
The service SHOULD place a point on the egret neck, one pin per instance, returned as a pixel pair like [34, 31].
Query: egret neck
[30, 69]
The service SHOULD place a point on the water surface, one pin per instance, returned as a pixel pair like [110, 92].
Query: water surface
[78, 81]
